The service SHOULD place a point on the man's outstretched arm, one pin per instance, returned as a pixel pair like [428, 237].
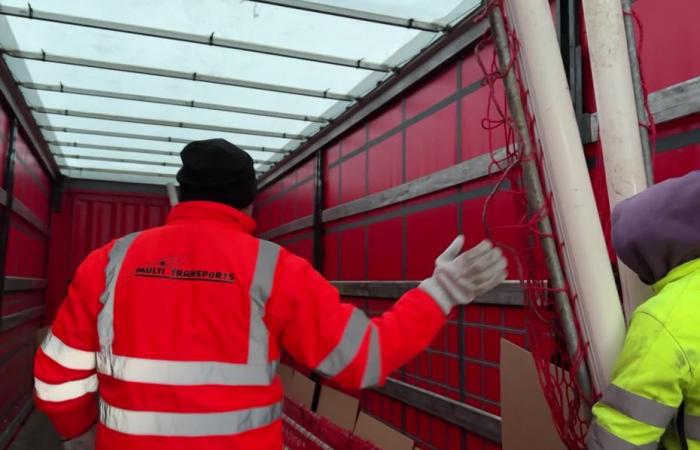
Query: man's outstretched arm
[341, 342]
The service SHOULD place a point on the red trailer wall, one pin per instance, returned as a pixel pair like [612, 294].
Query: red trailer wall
[27, 252]
[433, 127]
[90, 217]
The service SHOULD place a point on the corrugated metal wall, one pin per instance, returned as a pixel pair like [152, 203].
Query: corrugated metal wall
[90, 217]
[432, 128]
[27, 189]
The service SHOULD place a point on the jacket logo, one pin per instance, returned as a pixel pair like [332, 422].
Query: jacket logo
[170, 269]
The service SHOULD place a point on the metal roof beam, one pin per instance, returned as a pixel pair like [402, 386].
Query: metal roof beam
[169, 101]
[460, 38]
[356, 14]
[167, 73]
[165, 123]
[115, 171]
[211, 40]
[19, 108]
[114, 148]
[146, 137]
[120, 160]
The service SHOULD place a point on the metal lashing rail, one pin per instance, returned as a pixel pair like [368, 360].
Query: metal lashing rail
[144, 137]
[178, 74]
[165, 123]
[169, 101]
[209, 40]
[130, 160]
[355, 14]
[117, 172]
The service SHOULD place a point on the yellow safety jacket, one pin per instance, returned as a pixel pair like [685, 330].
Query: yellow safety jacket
[654, 397]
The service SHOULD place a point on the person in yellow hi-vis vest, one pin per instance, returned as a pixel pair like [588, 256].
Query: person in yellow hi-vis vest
[654, 397]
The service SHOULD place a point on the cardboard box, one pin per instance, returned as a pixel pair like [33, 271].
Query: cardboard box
[381, 435]
[527, 423]
[302, 390]
[338, 407]
[286, 375]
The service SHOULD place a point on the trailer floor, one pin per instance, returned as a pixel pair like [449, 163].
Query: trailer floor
[37, 433]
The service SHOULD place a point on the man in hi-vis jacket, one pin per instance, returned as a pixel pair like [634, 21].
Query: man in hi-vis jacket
[169, 338]
[654, 398]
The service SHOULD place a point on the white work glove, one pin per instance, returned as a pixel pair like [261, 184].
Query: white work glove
[85, 441]
[459, 278]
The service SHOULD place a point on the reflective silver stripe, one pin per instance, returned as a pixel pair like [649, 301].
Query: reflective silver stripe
[258, 371]
[152, 423]
[67, 356]
[260, 289]
[692, 427]
[601, 439]
[637, 407]
[186, 373]
[65, 391]
[374, 360]
[346, 350]
[105, 320]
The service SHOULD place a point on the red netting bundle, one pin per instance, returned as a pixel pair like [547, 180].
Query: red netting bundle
[305, 430]
[556, 367]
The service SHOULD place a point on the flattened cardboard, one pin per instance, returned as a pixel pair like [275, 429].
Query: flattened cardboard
[338, 407]
[527, 423]
[286, 374]
[381, 435]
[302, 390]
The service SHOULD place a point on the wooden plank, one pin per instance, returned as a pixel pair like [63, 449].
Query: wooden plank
[27, 214]
[16, 422]
[14, 320]
[289, 227]
[507, 294]
[679, 100]
[466, 171]
[673, 102]
[17, 284]
[460, 38]
[464, 416]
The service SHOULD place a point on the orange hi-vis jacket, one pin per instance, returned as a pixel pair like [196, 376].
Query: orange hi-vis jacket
[170, 338]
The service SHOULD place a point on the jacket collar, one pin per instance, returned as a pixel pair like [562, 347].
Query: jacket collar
[203, 210]
[677, 273]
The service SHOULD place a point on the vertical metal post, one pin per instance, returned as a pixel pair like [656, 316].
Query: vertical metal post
[173, 198]
[570, 43]
[536, 199]
[6, 217]
[318, 212]
[318, 245]
[638, 91]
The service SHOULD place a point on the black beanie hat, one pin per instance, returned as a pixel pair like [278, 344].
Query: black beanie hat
[218, 171]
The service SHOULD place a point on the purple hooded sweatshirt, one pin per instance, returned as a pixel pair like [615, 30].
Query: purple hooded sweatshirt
[658, 229]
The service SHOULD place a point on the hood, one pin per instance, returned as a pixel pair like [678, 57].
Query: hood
[659, 228]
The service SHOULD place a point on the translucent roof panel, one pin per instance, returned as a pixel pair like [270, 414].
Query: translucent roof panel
[112, 84]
